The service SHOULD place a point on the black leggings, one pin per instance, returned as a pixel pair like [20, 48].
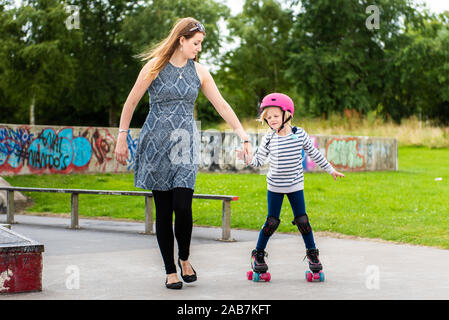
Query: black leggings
[178, 200]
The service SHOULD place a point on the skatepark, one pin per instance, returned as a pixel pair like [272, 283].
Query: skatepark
[108, 259]
[110, 96]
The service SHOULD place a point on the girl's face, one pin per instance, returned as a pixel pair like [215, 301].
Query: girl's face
[274, 117]
[191, 47]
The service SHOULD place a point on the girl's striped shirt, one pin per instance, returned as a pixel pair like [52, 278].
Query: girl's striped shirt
[285, 155]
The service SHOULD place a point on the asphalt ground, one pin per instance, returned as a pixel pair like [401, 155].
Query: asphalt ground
[113, 260]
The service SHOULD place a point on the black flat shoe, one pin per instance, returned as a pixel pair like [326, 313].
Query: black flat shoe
[188, 278]
[175, 285]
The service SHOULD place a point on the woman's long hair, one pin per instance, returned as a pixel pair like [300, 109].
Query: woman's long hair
[162, 52]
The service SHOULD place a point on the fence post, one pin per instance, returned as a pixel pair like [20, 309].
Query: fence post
[10, 206]
[226, 221]
[148, 215]
[74, 217]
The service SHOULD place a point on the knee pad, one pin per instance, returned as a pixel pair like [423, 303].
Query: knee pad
[302, 222]
[270, 226]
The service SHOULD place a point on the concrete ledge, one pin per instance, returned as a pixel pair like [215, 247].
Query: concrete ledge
[20, 263]
[26, 149]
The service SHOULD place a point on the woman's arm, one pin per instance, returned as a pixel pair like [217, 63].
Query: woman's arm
[138, 90]
[212, 93]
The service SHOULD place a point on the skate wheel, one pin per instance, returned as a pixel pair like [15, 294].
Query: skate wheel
[316, 276]
[265, 276]
[249, 275]
[256, 276]
[309, 276]
[321, 276]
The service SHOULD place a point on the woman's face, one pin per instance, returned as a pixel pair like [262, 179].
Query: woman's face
[274, 117]
[191, 47]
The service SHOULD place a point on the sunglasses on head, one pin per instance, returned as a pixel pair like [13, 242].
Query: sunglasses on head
[199, 27]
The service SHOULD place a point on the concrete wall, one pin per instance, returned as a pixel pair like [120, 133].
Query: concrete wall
[28, 149]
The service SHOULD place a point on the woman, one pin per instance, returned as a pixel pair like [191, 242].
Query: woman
[166, 159]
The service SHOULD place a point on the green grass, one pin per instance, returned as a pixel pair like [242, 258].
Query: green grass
[405, 206]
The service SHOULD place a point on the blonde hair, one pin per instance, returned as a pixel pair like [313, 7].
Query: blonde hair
[265, 111]
[162, 52]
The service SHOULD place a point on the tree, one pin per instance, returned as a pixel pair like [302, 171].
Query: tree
[336, 60]
[151, 24]
[35, 56]
[106, 67]
[257, 66]
[82, 76]
[418, 81]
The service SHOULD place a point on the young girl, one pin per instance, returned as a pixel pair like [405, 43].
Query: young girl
[283, 148]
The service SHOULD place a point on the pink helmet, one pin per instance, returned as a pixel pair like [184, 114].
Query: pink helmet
[278, 100]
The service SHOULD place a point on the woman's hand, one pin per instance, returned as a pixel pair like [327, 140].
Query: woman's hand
[121, 148]
[337, 174]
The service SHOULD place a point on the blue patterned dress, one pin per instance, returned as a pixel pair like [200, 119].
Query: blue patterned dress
[167, 154]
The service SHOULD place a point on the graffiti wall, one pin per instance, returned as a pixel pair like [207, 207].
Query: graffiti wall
[361, 153]
[46, 150]
[40, 150]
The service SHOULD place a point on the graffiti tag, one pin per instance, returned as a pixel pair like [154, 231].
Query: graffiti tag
[344, 153]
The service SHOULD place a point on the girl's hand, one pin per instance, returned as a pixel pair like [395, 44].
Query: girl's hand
[337, 174]
[248, 152]
[241, 155]
[121, 149]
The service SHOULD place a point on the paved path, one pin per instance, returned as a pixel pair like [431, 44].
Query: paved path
[114, 261]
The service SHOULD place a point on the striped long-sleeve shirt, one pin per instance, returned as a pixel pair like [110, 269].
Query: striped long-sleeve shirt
[285, 155]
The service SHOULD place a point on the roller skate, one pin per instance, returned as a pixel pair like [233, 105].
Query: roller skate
[259, 272]
[315, 273]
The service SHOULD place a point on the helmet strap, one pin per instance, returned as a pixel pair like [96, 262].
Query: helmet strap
[284, 121]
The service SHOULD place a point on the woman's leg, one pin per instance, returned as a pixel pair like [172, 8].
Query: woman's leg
[164, 227]
[182, 205]
[274, 201]
[299, 211]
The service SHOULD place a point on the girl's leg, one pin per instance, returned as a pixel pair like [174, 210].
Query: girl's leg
[164, 227]
[182, 204]
[274, 201]
[299, 209]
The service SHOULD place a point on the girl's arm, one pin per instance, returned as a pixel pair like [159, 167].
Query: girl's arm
[260, 156]
[314, 153]
[319, 159]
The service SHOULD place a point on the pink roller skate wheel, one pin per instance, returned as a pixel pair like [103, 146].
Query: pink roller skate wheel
[265, 276]
[316, 276]
[249, 275]
[309, 276]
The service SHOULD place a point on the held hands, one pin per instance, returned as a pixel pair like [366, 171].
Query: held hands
[337, 174]
[246, 154]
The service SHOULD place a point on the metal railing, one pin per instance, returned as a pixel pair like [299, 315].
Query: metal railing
[74, 224]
